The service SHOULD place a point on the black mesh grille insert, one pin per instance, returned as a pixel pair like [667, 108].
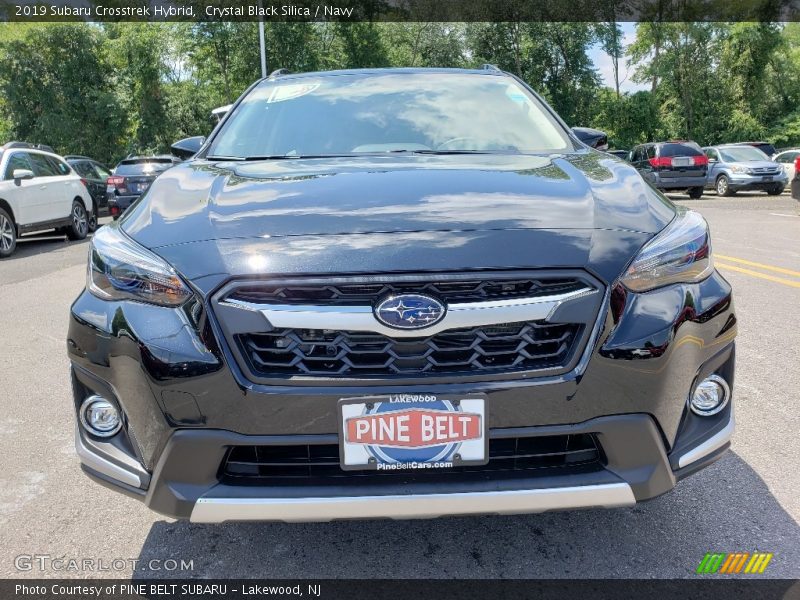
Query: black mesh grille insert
[273, 465]
[534, 345]
[466, 290]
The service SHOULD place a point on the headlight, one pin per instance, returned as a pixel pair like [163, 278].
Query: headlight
[738, 169]
[120, 269]
[679, 254]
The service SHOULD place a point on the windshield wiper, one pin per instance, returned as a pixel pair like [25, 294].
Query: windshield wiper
[355, 154]
[435, 152]
[451, 152]
[274, 156]
[293, 156]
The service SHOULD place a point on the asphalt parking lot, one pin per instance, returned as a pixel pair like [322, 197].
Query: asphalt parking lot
[748, 501]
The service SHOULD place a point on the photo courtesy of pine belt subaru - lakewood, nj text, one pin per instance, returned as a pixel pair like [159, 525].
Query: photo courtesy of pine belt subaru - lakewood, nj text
[399, 293]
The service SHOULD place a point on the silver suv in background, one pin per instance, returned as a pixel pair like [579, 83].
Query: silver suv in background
[739, 167]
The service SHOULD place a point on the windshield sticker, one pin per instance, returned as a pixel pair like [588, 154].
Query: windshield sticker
[288, 92]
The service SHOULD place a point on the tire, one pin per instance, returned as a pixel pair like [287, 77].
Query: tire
[79, 225]
[93, 219]
[723, 186]
[695, 193]
[775, 191]
[8, 234]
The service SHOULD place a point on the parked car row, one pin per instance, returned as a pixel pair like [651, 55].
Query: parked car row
[682, 165]
[41, 191]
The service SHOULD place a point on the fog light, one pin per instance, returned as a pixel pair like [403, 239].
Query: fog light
[99, 417]
[710, 396]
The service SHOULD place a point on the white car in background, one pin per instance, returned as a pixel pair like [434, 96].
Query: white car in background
[39, 191]
[786, 159]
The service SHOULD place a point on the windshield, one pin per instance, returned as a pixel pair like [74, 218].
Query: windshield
[142, 167]
[742, 154]
[351, 114]
[679, 150]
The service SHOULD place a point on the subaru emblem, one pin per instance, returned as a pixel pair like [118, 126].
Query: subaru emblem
[409, 311]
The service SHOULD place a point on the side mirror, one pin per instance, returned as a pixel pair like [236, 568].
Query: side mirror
[188, 147]
[20, 174]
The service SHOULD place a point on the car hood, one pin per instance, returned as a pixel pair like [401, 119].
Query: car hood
[367, 203]
[756, 164]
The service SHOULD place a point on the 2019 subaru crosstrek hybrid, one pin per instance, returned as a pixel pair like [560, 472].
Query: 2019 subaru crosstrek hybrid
[399, 293]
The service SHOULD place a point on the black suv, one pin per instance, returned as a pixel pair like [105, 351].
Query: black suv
[131, 179]
[94, 175]
[399, 293]
[672, 166]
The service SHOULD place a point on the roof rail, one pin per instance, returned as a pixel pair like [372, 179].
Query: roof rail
[43, 147]
[491, 67]
[279, 72]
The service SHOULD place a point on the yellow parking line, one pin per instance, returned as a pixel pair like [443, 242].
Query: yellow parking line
[788, 282]
[759, 265]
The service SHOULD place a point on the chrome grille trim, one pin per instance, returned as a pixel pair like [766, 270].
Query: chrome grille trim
[458, 316]
[235, 316]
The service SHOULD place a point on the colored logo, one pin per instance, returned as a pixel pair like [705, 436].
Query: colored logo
[429, 431]
[410, 311]
[734, 562]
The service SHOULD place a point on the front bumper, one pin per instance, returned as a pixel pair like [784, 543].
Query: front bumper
[218, 510]
[186, 404]
[185, 483]
[743, 182]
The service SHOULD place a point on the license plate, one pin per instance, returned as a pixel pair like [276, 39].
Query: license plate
[412, 431]
[769, 178]
[682, 162]
[139, 188]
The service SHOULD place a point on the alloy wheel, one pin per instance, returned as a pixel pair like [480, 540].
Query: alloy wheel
[80, 221]
[722, 186]
[6, 234]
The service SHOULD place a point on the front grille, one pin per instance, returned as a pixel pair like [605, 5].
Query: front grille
[314, 352]
[319, 464]
[766, 170]
[450, 291]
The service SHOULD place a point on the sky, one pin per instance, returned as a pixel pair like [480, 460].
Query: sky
[603, 63]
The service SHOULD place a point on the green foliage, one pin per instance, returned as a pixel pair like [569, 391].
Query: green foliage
[57, 89]
[628, 119]
[552, 57]
[718, 82]
[113, 89]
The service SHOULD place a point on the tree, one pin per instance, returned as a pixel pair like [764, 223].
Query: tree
[361, 44]
[552, 57]
[138, 55]
[609, 34]
[680, 60]
[57, 89]
[424, 44]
